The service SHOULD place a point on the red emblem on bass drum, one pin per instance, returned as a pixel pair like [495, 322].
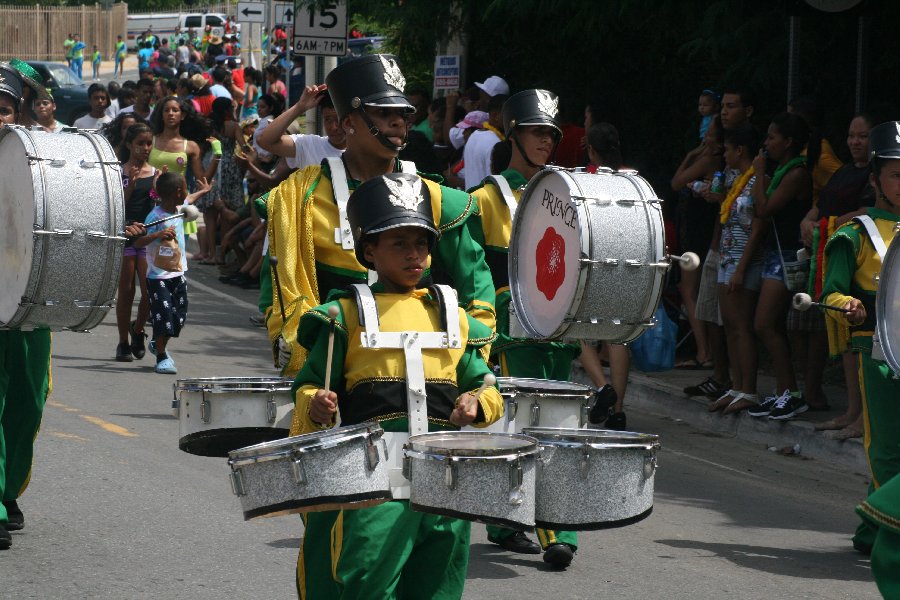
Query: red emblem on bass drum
[551, 266]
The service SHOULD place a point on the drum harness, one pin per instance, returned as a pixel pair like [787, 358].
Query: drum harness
[881, 248]
[412, 343]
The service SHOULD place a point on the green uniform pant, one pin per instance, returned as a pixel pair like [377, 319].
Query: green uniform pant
[24, 381]
[265, 285]
[881, 511]
[392, 552]
[881, 415]
[314, 573]
[538, 361]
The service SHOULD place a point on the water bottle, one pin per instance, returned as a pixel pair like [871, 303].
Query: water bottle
[718, 183]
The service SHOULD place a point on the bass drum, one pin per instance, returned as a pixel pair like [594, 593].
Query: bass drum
[62, 208]
[587, 256]
[887, 305]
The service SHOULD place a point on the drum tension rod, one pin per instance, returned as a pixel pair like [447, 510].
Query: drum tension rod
[54, 162]
[90, 164]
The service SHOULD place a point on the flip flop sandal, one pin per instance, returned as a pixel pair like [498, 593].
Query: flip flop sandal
[691, 364]
[741, 402]
[829, 425]
[724, 401]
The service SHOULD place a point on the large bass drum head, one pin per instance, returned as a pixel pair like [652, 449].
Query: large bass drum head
[544, 252]
[17, 221]
[888, 306]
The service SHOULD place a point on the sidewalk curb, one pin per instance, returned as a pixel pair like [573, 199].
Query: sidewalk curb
[659, 398]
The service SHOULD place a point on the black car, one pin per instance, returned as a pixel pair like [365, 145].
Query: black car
[69, 92]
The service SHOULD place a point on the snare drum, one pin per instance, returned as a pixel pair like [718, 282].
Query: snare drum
[593, 479]
[887, 306]
[587, 256]
[476, 476]
[62, 208]
[541, 403]
[219, 414]
[344, 467]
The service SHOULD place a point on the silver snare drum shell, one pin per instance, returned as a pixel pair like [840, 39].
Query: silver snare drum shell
[219, 414]
[887, 306]
[62, 213]
[540, 403]
[476, 476]
[344, 467]
[593, 479]
[587, 255]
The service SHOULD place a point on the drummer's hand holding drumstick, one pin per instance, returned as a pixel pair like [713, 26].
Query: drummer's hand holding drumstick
[856, 312]
[467, 404]
[322, 407]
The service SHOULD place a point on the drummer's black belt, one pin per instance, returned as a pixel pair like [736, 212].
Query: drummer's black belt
[380, 136]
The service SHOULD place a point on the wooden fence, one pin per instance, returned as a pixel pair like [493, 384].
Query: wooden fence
[38, 32]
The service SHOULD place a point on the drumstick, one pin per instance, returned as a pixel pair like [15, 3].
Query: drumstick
[803, 302]
[273, 261]
[689, 261]
[187, 212]
[333, 313]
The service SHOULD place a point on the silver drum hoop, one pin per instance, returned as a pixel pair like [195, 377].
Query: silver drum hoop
[304, 443]
[887, 306]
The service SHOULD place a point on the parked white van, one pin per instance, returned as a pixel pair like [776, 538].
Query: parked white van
[164, 24]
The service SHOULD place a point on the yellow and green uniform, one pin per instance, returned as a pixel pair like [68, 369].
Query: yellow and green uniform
[24, 386]
[852, 263]
[303, 216]
[265, 272]
[517, 357]
[881, 511]
[387, 550]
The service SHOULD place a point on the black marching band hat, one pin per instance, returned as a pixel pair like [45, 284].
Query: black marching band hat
[531, 107]
[386, 202]
[10, 82]
[884, 141]
[373, 80]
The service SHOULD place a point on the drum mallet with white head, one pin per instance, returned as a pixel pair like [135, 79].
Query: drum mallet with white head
[333, 313]
[803, 303]
[489, 381]
[188, 212]
[689, 260]
[273, 261]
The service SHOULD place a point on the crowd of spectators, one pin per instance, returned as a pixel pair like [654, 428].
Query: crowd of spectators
[757, 203]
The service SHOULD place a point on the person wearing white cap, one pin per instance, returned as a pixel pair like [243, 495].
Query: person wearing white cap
[490, 87]
[477, 152]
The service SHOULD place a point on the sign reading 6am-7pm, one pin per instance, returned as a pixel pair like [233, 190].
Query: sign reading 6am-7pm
[320, 29]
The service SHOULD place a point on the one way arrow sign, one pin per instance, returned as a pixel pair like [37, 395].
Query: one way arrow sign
[251, 12]
[284, 13]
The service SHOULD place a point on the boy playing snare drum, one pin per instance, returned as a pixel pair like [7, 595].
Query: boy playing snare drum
[389, 550]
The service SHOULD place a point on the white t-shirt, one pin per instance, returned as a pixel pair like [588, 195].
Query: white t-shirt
[219, 91]
[310, 150]
[112, 110]
[89, 122]
[263, 123]
[477, 156]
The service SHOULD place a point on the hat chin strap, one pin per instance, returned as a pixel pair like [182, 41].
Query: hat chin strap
[379, 135]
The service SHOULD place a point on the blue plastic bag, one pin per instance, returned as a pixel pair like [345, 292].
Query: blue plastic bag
[655, 349]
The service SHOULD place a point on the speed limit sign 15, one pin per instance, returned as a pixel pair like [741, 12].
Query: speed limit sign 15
[321, 30]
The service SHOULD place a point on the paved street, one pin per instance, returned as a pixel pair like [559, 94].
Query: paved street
[115, 510]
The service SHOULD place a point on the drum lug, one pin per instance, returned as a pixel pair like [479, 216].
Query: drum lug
[28, 302]
[631, 262]
[271, 411]
[371, 456]
[535, 414]
[512, 407]
[516, 477]
[205, 409]
[176, 407]
[650, 463]
[583, 416]
[407, 466]
[451, 473]
[585, 465]
[101, 235]
[237, 483]
[299, 470]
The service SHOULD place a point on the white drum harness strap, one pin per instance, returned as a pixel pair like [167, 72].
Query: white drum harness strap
[412, 343]
[506, 192]
[880, 248]
[342, 233]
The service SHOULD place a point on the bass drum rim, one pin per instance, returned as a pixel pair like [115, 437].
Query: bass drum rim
[888, 274]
